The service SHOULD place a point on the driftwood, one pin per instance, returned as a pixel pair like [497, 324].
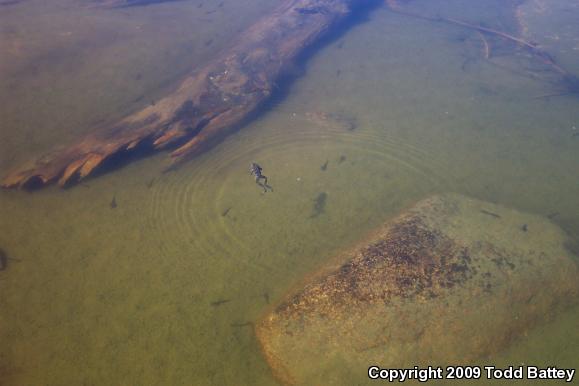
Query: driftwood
[206, 105]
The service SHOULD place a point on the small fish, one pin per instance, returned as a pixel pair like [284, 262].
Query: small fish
[524, 227]
[246, 324]
[266, 297]
[113, 203]
[490, 213]
[225, 212]
[208, 42]
[150, 183]
[324, 167]
[219, 302]
[319, 204]
[551, 216]
[4, 259]
[341, 159]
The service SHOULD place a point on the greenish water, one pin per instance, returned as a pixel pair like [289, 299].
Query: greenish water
[160, 289]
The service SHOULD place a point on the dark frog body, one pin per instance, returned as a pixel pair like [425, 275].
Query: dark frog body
[255, 170]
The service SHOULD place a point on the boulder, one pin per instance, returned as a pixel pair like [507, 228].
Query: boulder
[450, 281]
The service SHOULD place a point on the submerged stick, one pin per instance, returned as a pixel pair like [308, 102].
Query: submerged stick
[486, 46]
[490, 31]
[532, 47]
[207, 104]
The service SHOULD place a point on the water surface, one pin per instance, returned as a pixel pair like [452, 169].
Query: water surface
[163, 288]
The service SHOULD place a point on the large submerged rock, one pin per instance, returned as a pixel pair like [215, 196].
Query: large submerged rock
[451, 280]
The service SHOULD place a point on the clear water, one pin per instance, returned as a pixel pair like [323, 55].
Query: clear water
[162, 289]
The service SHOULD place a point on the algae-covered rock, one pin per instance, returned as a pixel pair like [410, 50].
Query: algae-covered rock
[451, 280]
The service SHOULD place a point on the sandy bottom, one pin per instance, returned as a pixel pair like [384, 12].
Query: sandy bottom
[163, 288]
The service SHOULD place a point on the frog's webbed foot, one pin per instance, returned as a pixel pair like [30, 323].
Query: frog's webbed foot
[262, 185]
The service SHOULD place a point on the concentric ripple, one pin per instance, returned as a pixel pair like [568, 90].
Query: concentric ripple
[213, 205]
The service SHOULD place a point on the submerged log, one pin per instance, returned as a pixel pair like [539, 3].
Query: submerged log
[207, 104]
[452, 280]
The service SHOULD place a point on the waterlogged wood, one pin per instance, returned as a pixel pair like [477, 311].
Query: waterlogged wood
[451, 280]
[206, 105]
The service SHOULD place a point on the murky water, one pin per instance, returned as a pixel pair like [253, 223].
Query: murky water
[164, 287]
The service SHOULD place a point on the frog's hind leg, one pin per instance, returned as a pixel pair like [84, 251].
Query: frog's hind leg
[264, 185]
[257, 178]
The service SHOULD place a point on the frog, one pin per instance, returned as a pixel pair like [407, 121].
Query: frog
[255, 170]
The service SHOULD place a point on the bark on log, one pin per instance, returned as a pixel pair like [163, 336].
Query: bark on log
[206, 105]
